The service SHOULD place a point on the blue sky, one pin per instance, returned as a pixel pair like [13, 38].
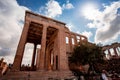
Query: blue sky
[99, 20]
[71, 14]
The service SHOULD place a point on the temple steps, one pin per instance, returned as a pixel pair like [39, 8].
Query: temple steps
[38, 75]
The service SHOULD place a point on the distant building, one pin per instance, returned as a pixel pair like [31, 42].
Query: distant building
[112, 51]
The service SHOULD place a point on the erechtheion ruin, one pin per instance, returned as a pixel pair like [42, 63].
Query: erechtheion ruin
[51, 59]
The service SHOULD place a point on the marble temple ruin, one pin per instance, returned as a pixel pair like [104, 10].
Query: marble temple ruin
[51, 59]
[112, 50]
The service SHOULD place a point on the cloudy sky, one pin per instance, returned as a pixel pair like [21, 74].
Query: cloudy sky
[99, 20]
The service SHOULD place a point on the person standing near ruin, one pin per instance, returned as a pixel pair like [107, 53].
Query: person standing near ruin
[104, 75]
[3, 67]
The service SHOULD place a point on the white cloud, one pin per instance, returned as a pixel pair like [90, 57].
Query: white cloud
[87, 34]
[68, 5]
[91, 25]
[107, 22]
[53, 9]
[70, 26]
[11, 18]
[41, 9]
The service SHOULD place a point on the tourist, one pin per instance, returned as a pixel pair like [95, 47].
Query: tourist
[5, 68]
[1, 61]
[103, 75]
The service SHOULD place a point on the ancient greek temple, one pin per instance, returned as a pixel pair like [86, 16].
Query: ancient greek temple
[56, 44]
[112, 50]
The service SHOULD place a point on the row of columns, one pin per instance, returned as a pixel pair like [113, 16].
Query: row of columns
[116, 51]
[75, 39]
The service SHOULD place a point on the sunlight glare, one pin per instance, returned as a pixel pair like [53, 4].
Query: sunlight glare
[89, 10]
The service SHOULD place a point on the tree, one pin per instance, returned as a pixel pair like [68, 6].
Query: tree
[87, 53]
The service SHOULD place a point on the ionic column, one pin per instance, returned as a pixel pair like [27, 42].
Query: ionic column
[109, 52]
[70, 42]
[118, 51]
[47, 58]
[20, 49]
[38, 58]
[115, 51]
[49, 61]
[75, 40]
[80, 39]
[43, 47]
[33, 57]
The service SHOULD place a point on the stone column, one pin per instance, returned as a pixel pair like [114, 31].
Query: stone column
[109, 52]
[115, 51]
[75, 40]
[118, 51]
[46, 58]
[21, 46]
[43, 47]
[70, 43]
[33, 57]
[38, 58]
[54, 63]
